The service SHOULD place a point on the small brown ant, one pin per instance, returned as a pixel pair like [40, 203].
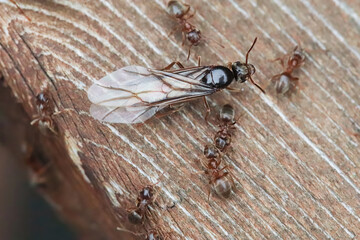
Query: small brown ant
[44, 117]
[218, 177]
[182, 12]
[21, 11]
[145, 199]
[285, 81]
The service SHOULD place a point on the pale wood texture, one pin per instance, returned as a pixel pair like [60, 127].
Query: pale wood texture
[296, 159]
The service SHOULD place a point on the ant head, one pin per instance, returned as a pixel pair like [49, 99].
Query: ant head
[42, 98]
[147, 193]
[297, 57]
[243, 71]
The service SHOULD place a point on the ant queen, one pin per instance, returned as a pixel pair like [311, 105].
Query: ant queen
[182, 13]
[133, 94]
[284, 82]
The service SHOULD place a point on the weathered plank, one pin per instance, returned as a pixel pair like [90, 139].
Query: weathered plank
[296, 159]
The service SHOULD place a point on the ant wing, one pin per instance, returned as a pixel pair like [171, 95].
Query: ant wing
[133, 94]
[123, 115]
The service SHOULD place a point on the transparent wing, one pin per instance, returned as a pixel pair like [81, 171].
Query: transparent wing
[133, 94]
[123, 115]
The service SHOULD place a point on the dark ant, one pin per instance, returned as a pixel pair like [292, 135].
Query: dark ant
[222, 138]
[145, 199]
[182, 13]
[153, 234]
[44, 117]
[285, 81]
[21, 11]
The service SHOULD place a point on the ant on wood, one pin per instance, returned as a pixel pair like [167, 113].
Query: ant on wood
[153, 234]
[222, 138]
[219, 177]
[146, 199]
[43, 119]
[182, 12]
[284, 82]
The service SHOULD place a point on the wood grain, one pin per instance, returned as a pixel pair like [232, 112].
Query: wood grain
[296, 159]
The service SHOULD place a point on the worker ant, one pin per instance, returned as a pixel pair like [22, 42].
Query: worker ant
[284, 82]
[146, 199]
[219, 177]
[153, 234]
[43, 119]
[222, 137]
[182, 12]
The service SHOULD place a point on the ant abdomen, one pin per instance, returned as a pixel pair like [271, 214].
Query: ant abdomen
[282, 85]
[177, 9]
[135, 218]
[223, 187]
[227, 114]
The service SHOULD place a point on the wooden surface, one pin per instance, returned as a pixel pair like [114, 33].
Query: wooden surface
[296, 159]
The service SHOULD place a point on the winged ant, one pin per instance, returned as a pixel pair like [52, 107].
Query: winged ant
[133, 94]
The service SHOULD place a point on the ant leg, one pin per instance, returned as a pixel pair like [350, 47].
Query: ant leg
[207, 109]
[274, 78]
[175, 29]
[165, 207]
[199, 61]
[257, 85]
[209, 195]
[63, 111]
[281, 59]
[35, 121]
[171, 111]
[168, 67]
[187, 10]
[229, 65]
[21, 11]
[183, 38]
[191, 15]
[189, 51]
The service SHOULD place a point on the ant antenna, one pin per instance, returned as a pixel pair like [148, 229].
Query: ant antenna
[21, 11]
[247, 54]
[252, 81]
[246, 62]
